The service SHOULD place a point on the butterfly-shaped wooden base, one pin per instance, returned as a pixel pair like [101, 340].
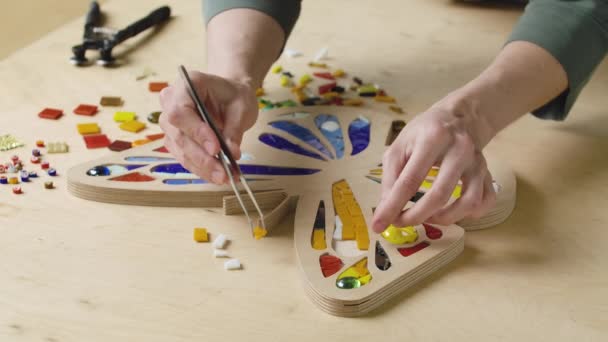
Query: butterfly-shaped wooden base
[277, 194]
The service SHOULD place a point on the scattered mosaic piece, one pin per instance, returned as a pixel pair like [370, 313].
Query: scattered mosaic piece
[154, 117]
[8, 142]
[88, 128]
[85, 109]
[201, 235]
[111, 101]
[120, 145]
[220, 241]
[156, 87]
[232, 265]
[124, 116]
[132, 126]
[50, 113]
[57, 147]
[96, 140]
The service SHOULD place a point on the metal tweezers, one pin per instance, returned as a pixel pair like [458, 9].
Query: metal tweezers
[224, 156]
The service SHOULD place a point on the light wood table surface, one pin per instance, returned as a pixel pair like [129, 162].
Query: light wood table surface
[74, 270]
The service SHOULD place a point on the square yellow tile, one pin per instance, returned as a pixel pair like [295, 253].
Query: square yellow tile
[132, 126]
[200, 235]
[88, 128]
[124, 116]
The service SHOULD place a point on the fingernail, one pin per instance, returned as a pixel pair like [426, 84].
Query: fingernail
[379, 226]
[209, 147]
[217, 177]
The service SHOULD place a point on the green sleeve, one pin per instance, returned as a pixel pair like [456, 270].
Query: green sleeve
[575, 32]
[285, 12]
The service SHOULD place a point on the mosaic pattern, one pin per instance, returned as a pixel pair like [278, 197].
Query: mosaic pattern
[330, 127]
[304, 134]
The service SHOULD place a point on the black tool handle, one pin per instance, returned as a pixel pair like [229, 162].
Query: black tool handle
[93, 16]
[154, 18]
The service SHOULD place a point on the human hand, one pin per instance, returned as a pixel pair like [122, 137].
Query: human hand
[233, 106]
[447, 135]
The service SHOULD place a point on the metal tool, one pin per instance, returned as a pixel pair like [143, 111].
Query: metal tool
[104, 39]
[224, 156]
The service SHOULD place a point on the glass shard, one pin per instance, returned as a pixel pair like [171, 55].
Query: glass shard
[317, 239]
[281, 143]
[359, 134]
[407, 251]
[303, 134]
[383, 262]
[112, 169]
[133, 177]
[147, 159]
[330, 127]
[330, 264]
[355, 276]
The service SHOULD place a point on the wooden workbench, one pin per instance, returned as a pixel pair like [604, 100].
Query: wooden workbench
[74, 270]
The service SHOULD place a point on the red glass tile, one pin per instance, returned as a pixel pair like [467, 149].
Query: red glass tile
[157, 86]
[407, 251]
[96, 140]
[326, 87]
[133, 177]
[120, 145]
[155, 136]
[325, 75]
[85, 109]
[161, 149]
[330, 264]
[432, 232]
[50, 113]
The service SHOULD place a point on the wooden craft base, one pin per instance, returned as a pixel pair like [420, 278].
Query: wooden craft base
[278, 196]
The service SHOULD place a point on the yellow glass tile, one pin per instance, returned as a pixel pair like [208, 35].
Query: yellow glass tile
[433, 172]
[352, 102]
[132, 126]
[259, 233]
[140, 142]
[400, 235]
[259, 92]
[386, 99]
[338, 73]
[318, 239]
[305, 79]
[457, 191]
[365, 279]
[201, 235]
[88, 128]
[124, 116]
[276, 69]
[361, 267]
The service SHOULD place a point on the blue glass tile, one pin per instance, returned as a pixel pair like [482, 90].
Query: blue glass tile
[250, 169]
[303, 134]
[358, 133]
[180, 181]
[169, 168]
[281, 143]
[330, 127]
[147, 159]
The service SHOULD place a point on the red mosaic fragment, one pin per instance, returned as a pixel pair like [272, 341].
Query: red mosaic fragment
[432, 232]
[120, 145]
[133, 177]
[161, 149]
[153, 137]
[96, 140]
[325, 75]
[50, 113]
[85, 109]
[157, 86]
[407, 251]
[330, 264]
[326, 88]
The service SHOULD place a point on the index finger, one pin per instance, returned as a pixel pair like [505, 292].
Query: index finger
[405, 187]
